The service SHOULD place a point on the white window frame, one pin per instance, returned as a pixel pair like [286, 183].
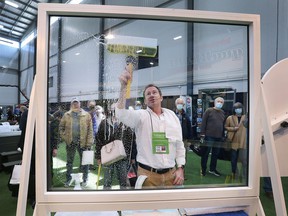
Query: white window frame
[53, 201]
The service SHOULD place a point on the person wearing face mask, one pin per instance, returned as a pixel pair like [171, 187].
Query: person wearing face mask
[212, 130]
[184, 121]
[160, 149]
[236, 132]
[138, 105]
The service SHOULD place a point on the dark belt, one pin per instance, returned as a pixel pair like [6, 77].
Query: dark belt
[151, 169]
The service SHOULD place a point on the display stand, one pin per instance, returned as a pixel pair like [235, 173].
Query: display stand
[76, 201]
[275, 111]
[27, 152]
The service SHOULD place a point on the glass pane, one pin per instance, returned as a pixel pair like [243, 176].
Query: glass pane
[202, 72]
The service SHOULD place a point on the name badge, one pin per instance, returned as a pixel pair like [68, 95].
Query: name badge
[160, 144]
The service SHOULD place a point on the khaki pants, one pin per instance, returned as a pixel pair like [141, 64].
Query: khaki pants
[156, 180]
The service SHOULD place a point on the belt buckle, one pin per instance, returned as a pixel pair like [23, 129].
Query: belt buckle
[159, 170]
[154, 170]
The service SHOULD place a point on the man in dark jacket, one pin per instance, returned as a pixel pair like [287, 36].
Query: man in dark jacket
[212, 131]
[184, 120]
[22, 126]
[185, 123]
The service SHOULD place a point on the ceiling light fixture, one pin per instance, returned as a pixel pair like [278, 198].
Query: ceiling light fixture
[177, 38]
[10, 43]
[12, 4]
[109, 36]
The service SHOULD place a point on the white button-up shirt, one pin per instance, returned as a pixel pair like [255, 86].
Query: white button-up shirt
[167, 122]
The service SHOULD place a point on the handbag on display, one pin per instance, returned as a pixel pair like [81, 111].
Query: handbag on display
[112, 152]
[87, 157]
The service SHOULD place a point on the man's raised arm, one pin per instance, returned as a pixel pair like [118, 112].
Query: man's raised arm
[124, 77]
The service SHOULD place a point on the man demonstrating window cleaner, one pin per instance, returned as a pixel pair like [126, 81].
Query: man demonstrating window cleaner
[160, 149]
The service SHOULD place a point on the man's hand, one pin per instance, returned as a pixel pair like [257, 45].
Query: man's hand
[124, 77]
[179, 176]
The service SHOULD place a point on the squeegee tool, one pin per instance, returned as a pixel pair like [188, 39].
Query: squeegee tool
[132, 47]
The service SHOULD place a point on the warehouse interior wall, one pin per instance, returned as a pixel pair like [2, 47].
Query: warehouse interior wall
[274, 40]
